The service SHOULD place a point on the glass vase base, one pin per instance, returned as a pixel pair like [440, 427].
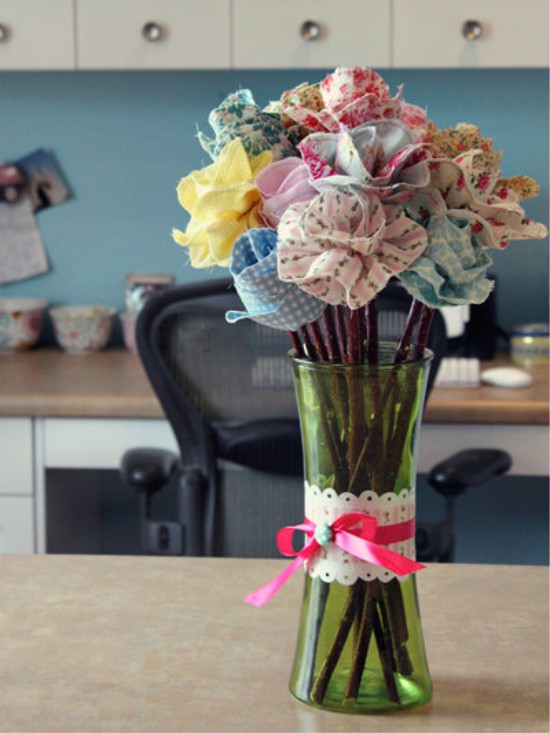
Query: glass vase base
[373, 696]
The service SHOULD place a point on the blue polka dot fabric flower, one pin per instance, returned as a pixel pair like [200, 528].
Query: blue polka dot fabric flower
[267, 299]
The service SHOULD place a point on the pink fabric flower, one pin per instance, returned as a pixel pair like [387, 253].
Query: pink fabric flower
[281, 184]
[343, 246]
[353, 96]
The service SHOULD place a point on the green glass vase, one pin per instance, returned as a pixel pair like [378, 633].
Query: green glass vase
[360, 645]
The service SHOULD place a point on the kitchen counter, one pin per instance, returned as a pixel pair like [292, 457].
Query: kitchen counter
[95, 644]
[46, 382]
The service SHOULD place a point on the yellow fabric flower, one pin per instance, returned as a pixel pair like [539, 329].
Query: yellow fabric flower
[223, 202]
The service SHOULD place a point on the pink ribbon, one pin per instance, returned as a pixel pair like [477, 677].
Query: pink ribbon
[356, 533]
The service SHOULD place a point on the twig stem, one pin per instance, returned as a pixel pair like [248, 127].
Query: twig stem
[410, 326]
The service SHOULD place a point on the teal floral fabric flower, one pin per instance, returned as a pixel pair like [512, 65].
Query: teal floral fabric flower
[239, 116]
[267, 299]
[452, 269]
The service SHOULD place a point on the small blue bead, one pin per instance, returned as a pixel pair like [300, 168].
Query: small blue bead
[323, 534]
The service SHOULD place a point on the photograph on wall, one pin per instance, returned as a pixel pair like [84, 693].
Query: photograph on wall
[45, 182]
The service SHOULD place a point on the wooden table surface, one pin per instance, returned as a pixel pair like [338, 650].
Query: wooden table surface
[46, 382]
[99, 643]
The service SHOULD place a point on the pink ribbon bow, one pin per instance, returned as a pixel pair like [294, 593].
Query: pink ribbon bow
[356, 533]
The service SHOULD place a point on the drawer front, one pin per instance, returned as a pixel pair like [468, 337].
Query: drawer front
[274, 33]
[16, 456]
[429, 33]
[526, 444]
[87, 443]
[153, 34]
[16, 525]
[37, 34]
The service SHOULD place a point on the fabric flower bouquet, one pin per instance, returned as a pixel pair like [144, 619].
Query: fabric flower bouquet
[323, 196]
[315, 203]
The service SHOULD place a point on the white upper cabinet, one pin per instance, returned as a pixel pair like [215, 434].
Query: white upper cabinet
[470, 33]
[153, 34]
[272, 34]
[36, 34]
[310, 33]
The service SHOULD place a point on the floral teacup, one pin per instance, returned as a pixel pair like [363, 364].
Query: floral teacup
[81, 329]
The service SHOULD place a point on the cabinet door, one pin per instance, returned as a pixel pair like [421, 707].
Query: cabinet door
[16, 456]
[153, 34]
[16, 525]
[431, 33]
[100, 442]
[311, 33]
[36, 34]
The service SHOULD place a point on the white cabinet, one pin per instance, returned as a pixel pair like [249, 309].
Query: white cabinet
[470, 34]
[16, 456]
[100, 442]
[153, 34]
[36, 34]
[276, 34]
[311, 33]
[16, 486]
[16, 525]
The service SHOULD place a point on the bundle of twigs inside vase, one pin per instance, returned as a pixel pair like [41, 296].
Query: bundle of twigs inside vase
[364, 453]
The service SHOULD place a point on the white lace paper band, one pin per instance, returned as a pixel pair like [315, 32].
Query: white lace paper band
[333, 564]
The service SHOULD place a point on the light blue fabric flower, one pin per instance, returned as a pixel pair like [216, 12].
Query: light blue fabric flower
[267, 299]
[452, 269]
[239, 116]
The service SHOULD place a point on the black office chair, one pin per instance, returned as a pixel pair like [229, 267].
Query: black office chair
[227, 392]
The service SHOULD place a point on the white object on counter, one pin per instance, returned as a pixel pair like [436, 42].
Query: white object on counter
[507, 377]
[455, 317]
[458, 371]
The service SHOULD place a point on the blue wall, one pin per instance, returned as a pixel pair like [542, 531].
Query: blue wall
[124, 140]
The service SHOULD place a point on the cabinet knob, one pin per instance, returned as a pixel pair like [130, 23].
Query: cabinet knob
[472, 30]
[4, 33]
[152, 32]
[310, 30]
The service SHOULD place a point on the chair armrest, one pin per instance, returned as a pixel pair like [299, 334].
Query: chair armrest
[468, 468]
[147, 469]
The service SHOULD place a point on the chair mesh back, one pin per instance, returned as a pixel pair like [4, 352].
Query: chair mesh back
[391, 324]
[230, 372]
[252, 507]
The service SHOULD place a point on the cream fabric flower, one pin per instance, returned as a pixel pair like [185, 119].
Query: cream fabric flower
[472, 194]
[223, 202]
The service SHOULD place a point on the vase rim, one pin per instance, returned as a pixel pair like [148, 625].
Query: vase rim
[387, 347]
